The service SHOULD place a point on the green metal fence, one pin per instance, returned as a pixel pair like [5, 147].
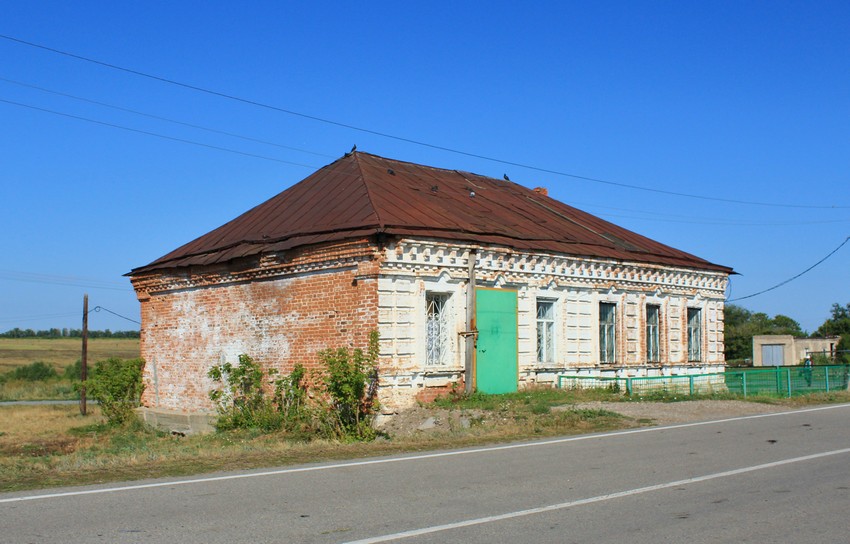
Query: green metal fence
[776, 381]
[684, 384]
[786, 381]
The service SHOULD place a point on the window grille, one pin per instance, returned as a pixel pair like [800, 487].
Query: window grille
[653, 351]
[607, 332]
[694, 334]
[437, 329]
[545, 331]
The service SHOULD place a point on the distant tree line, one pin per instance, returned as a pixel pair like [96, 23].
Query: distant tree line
[66, 333]
[741, 325]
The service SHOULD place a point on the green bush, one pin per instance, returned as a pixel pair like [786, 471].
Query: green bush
[117, 385]
[33, 372]
[342, 409]
[290, 399]
[73, 371]
[821, 359]
[351, 383]
[243, 403]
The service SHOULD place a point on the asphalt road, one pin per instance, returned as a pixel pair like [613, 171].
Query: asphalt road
[770, 478]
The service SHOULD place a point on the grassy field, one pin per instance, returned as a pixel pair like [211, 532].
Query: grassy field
[61, 352]
[58, 353]
[33, 431]
[54, 389]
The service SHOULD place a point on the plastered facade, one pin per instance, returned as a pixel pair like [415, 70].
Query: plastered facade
[283, 309]
[412, 268]
[795, 350]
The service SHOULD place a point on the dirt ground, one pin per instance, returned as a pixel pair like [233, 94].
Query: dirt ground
[425, 420]
[668, 413]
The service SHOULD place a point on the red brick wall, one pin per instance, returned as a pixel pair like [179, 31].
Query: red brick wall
[429, 394]
[278, 322]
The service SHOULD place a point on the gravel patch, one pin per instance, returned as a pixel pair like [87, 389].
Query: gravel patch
[667, 413]
[420, 419]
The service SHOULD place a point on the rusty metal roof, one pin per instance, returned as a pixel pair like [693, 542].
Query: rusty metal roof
[362, 194]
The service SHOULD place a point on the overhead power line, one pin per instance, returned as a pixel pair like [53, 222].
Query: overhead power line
[38, 317]
[99, 308]
[663, 218]
[88, 283]
[831, 253]
[271, 107]
[690, 219]
[67, 314]
[155, 134]
[166, 119]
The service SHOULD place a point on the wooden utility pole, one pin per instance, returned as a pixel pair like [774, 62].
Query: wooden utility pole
[83, 359]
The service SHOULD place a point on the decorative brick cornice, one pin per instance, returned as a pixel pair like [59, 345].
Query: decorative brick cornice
[434, 257]
[332, 256]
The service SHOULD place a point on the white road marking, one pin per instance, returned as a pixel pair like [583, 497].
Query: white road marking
[381, 461]
[599, 498]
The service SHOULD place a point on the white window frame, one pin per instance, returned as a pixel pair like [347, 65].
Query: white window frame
[653, 334]
[608, 334]
[437, 326]
[694, 327]
[545, 331]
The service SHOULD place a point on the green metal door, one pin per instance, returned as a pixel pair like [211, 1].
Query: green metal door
[496, 355]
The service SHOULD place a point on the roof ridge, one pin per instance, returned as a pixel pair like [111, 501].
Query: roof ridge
[381, 224]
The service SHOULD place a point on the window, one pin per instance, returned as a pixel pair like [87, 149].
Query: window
[607, 332]
[545, 331]
[653, 353]
[694, 334]
[437, 329]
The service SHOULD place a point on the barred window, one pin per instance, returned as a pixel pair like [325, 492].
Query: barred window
[653, 351]
[545, 331]
[437, 329]
[694, 334]
[607, 332]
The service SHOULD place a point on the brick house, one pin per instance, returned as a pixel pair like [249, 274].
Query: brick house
[469, 280]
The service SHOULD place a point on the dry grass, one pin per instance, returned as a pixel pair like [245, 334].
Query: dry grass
[55, 389]
[61, 352]
[833, 397]
[43, 446]
[64, 448]
[26, 422]
[41, 430]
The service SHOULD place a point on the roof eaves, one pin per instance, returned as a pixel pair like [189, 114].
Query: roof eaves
[167, 263]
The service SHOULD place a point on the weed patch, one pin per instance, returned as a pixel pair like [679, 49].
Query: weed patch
[343, 407]
[351, 383]
[677, 396]
[541, 398]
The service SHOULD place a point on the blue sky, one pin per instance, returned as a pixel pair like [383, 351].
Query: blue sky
[745, 101]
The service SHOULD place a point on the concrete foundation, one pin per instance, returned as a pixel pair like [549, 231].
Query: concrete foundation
[176, 422]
